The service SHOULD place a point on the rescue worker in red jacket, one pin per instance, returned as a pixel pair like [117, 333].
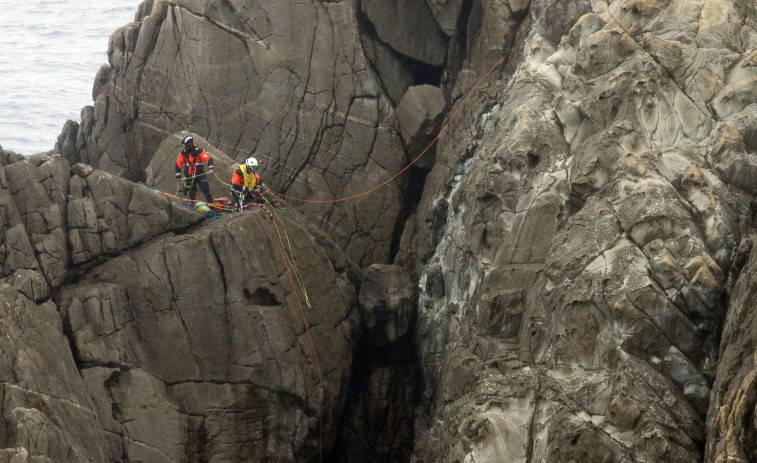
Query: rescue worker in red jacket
[192, 162]
[246, 185]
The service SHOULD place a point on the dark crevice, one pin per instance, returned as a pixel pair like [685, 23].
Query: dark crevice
[261, 296]
[423, 73]
[410, 200]
[68, 332]
[474, 17]
[749, 135]
[379, 432]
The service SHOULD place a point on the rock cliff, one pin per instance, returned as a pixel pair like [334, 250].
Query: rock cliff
[564, 273]
[135, 330]
[578, 238]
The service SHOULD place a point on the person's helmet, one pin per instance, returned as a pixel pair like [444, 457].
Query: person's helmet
[188, 140]
[252, 163]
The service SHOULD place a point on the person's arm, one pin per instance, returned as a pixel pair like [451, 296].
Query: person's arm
[237, 181]
[179, 163]
[258, 188]
[209, 160]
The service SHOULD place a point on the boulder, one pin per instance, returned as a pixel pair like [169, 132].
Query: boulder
[420, 114]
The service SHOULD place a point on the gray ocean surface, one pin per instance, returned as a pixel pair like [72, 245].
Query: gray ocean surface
[50, 51]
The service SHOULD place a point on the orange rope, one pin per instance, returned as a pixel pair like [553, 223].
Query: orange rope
[444, 128]
[312, 344]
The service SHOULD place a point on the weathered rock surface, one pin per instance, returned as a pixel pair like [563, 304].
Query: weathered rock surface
[134, 330]
[194, 345]
[286, 80]
[577, 234]
[579, 252]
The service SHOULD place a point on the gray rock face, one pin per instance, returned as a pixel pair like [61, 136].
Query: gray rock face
[420, 114]
[229, 370]
[286, 80]
[134, 330]
[408, 27]
[576, 243]
[582, 235]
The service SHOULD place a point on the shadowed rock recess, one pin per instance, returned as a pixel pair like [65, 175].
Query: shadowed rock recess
[566, 275]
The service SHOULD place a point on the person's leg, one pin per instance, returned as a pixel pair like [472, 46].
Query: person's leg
[236, 197]
[205, 188]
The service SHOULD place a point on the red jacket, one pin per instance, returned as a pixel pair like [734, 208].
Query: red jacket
[195, 162]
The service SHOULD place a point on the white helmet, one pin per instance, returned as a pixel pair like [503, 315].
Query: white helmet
[252, 163]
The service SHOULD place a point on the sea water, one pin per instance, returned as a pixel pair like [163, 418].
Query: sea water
[50, 51]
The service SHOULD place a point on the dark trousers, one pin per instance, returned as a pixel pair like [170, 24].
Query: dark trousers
[193, 182]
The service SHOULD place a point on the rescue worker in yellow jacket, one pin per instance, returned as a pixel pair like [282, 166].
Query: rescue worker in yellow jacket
[246, 184]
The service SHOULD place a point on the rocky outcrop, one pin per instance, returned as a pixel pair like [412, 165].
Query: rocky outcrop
[284, 80]
[730, 424]
[194, 345]
[578, 259]
[576, 235]
[55, 221]
[134, 330]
